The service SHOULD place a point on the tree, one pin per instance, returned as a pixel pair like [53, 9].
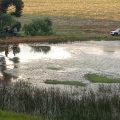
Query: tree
[5, 20]
[18, 4]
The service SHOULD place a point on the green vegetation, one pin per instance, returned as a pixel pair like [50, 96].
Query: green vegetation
[76, 83]
[8, 24]
[54, 68]
[6, 4]
[39, 27]
[18, 26]
[13, 7]
[5, 115]
[57, 104]
[5, 20]
[101, 79]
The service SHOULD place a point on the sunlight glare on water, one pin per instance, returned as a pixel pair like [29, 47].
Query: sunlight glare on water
[37, 62]
[26, 54]
[92, 50]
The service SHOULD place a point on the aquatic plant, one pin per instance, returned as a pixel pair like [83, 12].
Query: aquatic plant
[54, 104]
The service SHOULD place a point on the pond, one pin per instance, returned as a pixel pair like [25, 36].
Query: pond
[71, 61]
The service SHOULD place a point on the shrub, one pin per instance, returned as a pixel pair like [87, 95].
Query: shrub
[39, 27]
[17, 25]
[5, 20]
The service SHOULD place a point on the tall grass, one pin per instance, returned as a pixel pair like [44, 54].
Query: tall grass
[54, 104]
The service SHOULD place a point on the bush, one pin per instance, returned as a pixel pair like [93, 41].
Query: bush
[39, 27]
[5, 20]
[17, 25]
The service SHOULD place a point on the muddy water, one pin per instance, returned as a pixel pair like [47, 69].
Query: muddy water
[37, 62]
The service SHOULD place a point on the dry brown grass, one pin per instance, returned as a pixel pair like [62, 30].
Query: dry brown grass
[15, 40]
[97, 9]
[76, 17]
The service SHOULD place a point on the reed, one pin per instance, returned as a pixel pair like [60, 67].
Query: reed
[54, 104]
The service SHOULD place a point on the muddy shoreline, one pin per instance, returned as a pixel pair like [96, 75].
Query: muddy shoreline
[56, 39]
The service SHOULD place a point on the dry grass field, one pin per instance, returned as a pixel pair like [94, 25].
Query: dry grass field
[94, 18]
[95, 9]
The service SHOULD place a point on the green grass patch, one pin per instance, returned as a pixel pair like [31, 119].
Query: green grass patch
[4, 115]
[101, 79]
[76, 83]
[54, 68]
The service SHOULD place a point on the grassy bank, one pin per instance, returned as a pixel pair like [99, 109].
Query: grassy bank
[54, 104]
[55, 82]
[72, 28]
[5, 115]
[29, 39]
[56, 39]
[101, 79]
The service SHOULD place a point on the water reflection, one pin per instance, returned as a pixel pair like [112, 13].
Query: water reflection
[31, 60]
[28, 52]
[44, 49]
[32, 52]
[111, 49]
[5, 78]
[13, 55]
[15, 48]
[97, 48]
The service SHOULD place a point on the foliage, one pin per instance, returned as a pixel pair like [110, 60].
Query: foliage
[55, 104]
[6, 115]
[39, 27]
[5, 20]
[101, 79]
[17, 25]
[8, 21]
[5, 4]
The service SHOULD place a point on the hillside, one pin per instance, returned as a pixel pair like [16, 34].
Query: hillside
[81, 19]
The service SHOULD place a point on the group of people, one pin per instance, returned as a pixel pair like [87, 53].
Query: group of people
[11, 30]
